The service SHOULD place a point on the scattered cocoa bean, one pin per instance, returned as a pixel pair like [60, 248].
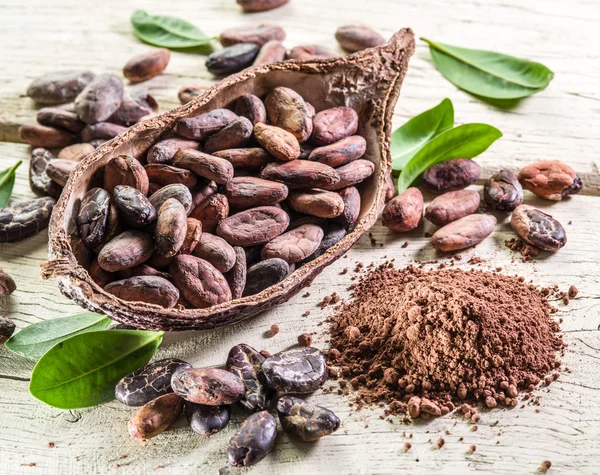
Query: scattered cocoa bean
[295, 245]
[208, 386]
[7, 328]
[133, 206]
[305, 420]
[310, 52]
[302, 174]
[503, 192]
[39, 181]
[165, 150]
[38, 135]
[264, 274]
[287, 110]
[100, 98]
[170, 230]
[298, 370]
[128, 249]
[214, 168]
[188, 93]
[341, 152]
[258, 34]
[93, 217]
[234, 135]
[135, 108]
[76, 152]
[147, 65]
[256, 437]
[232, 59]
[207, 420]
[148, 289]
[271, 52]
[25, 219]
[248, 192]
[278, 142]
[357, 37]
[550, 179]
[101, 130]
[463, 233]
[178, 191]
[59, 87]
[352, 174]
[253, 226]
[203, 126]
[59, 170]
[7, 284]
[351, 198]
[155, 416]
[244, 361]
[404, 212]
[192, 236]
[538, 228]
[390, 191]
[217, 251]
[452, 206]
[451, 175]
[211, 212]
[60, 118]
[332, 125]
[125, 170]
[163, 175]
[321, 203]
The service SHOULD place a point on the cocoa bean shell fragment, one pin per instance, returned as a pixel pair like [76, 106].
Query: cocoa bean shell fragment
[538, 228]
[287, 110]
[217, 251]
[253, 226]
[295, 245]
[134, 207]
[208, 386]
[128, 249]
[258, 34]
[25, 219]
[404, 212]
[147, 65]
[165, 150]
[298, 370]
[206, 420]
[251, 107]
[452, 206]
[234, 135]
[60, 118]
[307, 421]
[163, 175]
[236, 277]
[59, 86]
[171, 228]
[463, 233]
[178, 191]
[232, 59]
[315, 202]
[332, 125]
[271, 52]
[550, 179]
[302, 174]
[211, 212]
[245, 362]
[254, 157]
[264, 274]
[38, 135]
[254, 440]
[354, 38]
[100, 98]
[148, 289]
[247, 192]
[341, 152]
[154, 417]
[278, 142]
[451, 175]
[208, 166]
[39, 181]
[503, 192]
[202, 126]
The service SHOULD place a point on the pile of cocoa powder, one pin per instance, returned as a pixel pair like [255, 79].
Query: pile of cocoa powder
[443, 337]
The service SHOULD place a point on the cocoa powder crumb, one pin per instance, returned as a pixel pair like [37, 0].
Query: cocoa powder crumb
[573, 292]
[407, 446]
[51, 445]
[405, 245]
[439, 443]
[305, 339]
[274, 330]
[472, 448]
[545, 465]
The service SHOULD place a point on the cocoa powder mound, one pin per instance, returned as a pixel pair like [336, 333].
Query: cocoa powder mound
[425, 340]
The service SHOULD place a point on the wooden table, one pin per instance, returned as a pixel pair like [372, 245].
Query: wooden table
[559, 123]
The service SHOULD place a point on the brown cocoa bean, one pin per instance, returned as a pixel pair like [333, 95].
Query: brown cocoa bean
[295, 245]
[264, 274]
[452, 206]
[203, 126]
[503, 192]
[278, 142]
[25, 218]
[61, 118]
[93, 218]
[404, 212]
[133, 206]
[160, 262]
[538, 228]
[341, 152]
[178, 191]
[253, 226]
[135, 108]
[38, 135]
[311, 52]
[390, 190]
[7, 328]
[39, 181]
[334, 233]
[305, 150]
[300, 174]
[256, 437]
[451, 175]
[234, 135]
[206, 420]
[192, 236]
[352, 174]
[321, 203]
[143, 270]
[463, 233]
[248, 192]
[148, 289]
[216, 169]
[236, 277]
[100, 99]
[7, 284]
[165, 150]
[128, 249]
[354, 38]
[99, 275]
[287, 110]
[76, 152]
[252, 108]
[101, 130]
[155, 416]
[202, 192]
[147, 65]
[271, 52]
[332, 125]
[351, 198]
[163, 175]
[550, 179]
[125, 170]
[306, 421]
[59, 87]
[258, 34]
[188, 93]
[217, 251]
[171, 229]
[199, 282]
[59, 170]
[246, 157]
[208, 386]
[211, 212]
[231, 59]
[260, 5]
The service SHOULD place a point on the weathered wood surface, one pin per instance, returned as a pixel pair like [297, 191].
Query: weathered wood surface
[558, 123]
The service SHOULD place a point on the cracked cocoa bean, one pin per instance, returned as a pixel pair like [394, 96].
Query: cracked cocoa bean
[93, 217]
[128, 249]
[307, 421]
[100, 98]
[298, 370]
[211, 212]
[287, 110]
[163, 175]
[101, 130]
[332, 125]
[134, 207]
[145, 66]
[7, 284]
[451, 175]
[208, 166]
[148, 289]
[217, 251]
[125, 170]
[199, 282]
[404, 212]
[59, 87]
[236, 277]
[451, 206]
[25, 219]
[61, 118]
[258, 34]
[354, 38]
[299, 174]
[59, 170]
[253, 226]
[208, 386]
[252, 108]
[260, 5]
[134, 108]
[310, 52]
[39, 181]
[503, 192]
[234, 135]
[295, 245]
[178, 191]
[465, 232]
[206, 420]
[155, 416]
[38, 135]
[244, 361]
[254, 440]
[171, 229]
[248, 192]
[231, 59]
[351, 199]
[203, 126]
[7, 328]
[341, 152]
[192, 236]
[550, 179]
[321, 203]
[352, 173]
[165, 150]
[246, 157]
[278, 142]
[271, 52]
[76, 152]
[538, 228]
[264, 274]
[334, 233]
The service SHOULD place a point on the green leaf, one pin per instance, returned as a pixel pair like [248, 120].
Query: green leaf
[464, 141]
[35, 340]
[83, 370]
[412, 136]
[489, 74]
[168, 32]
[7, 182]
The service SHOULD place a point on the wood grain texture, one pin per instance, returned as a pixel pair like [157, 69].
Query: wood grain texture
[558, 123]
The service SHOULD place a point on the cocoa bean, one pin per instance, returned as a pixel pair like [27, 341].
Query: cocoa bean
[163, 175]
[452, 206]
[271, 52]
[302, 219]
[351, 198]
[7, 284]
[134, 207]
[305, 420]
[148, 289]
[76, 152]
[99, 275]
[354, 38]
[311, 52]
[59, 87]
[211, 212]
[244, 361]
[341, 152]
[38, 135]
[192, 236]
[208, 386]
[414, 407]
[203, 126]
[160, 262]
[298, 370]
[199, 282]
[305, 150]
[232, 59]
[234, 135]
[59, 170]
[170, 230]
[252, 254]
[258, 34]
[390, 190]
[332, 125]
[128, 249]
[100, 99]
[352, 174]
[188, 93]
[287, 110]
[278, 142]
[256, 437]
[143, 270]
[147, 65]
[165, 150]
[295, 245]
[60, 118]
[248, 192]
[154, 417]
[463, 233]
[245, 157]
[202, 192]
[299, 174]
[135, 108]
[7, 328]
[125, 170]
[334, 233]
[25, 219]
[217, 251]
[550, 179]
[236, 277]
[451, 175]
[253, 226]
[404, 212]
[178, 191]
[101, 130]
[216, 169]
[260, 5]
[207, 420]
[503, 192]
[538, 228]
[265, 274]
[252, 108]
[93, 217]
[39, 181]
[321, 203]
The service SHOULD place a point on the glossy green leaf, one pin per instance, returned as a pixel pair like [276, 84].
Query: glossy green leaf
[412, 136]
[83, 370]
[7, 183]
[35, 340]
[489, 74]
[464, 141]
[168, 32]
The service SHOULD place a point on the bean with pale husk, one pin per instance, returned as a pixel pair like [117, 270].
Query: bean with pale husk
[321, 203]
[352, 174]
[171, 228]
[208, 386]
[147, 65]
[38, 135]
[162, 174]
[287, 110]
[76, 152]
[165, 150]
[299, 174]
[203, 126]
[7, 283]
[260, 5]
[258, 34]
[278, 142]
[351, 198]
[125, 170]
[61, 118]
[101, 130]
[253, 226]
[357, 37]
[155, 416]
[271, 52]
[236, 277]
[254, 157]
[451, 175]
[59, 87]
[332, 125]
[192, 236]
[248, 192]
[135, 107]
[310, 52]
[295, 245]
[99, 99]
[341, 152]
[251, 107]
[178, 191]
[208, 166]
[234, 135]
